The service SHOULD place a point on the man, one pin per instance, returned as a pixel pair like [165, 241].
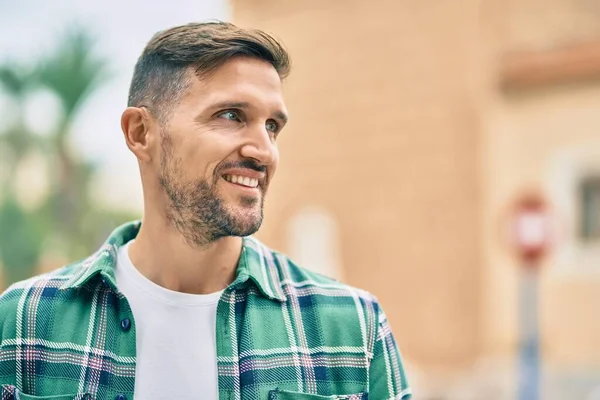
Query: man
[186, 304]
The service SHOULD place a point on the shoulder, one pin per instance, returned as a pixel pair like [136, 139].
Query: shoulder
[20, 294]
[326, 294]
[55, 278]
[338, 314]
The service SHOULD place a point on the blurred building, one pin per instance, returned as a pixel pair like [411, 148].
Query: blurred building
[413, 126]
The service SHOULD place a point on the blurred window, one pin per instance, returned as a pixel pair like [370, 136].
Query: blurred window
[589, 217]
[313, 240]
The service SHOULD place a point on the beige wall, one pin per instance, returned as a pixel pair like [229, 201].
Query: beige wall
[400, 131]
[384, 135]
[539, 138]
[537, 24]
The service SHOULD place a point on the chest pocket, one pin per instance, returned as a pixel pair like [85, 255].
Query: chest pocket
[287, 395]
[10, 392]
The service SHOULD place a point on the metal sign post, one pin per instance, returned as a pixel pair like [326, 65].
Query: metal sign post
[529, 351]
[531, 237]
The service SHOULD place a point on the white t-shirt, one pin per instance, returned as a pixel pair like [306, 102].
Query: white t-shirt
[175, 337]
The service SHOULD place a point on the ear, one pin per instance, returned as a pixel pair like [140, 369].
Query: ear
[137, 124]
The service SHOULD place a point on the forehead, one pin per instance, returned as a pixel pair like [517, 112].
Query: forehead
[240, 79]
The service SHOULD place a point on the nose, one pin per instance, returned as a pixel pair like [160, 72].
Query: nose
[259, 146]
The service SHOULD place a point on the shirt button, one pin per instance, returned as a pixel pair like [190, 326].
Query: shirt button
[125, 325]
[87, 397]
[121, 397]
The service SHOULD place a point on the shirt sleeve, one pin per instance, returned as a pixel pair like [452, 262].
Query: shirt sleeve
[387, 378]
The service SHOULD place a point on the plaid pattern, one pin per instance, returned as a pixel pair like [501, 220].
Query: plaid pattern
[282, 333]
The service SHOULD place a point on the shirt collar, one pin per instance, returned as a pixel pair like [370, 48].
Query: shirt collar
[257, 264]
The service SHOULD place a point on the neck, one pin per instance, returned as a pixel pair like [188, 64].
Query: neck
[162, 255]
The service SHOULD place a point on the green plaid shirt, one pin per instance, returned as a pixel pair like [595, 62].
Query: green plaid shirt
[282, 333]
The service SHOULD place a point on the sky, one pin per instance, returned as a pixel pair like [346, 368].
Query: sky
[31, 27]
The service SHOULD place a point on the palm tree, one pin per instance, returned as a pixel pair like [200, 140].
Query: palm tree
[72, 73]
[16, 82]
[68, 216]
[20, 240]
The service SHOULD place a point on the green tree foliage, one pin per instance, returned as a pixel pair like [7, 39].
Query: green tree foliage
[67, 221]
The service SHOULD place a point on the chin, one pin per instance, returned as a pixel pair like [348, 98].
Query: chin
[246, 221]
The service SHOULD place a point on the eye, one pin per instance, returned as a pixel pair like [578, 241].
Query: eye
[272, 126]
[230, 115]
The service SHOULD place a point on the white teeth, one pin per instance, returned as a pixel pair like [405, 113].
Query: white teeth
[242, 180]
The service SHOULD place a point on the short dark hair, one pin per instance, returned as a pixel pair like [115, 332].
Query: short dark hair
[161, 74]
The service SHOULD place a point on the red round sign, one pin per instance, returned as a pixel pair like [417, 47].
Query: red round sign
[531, 229]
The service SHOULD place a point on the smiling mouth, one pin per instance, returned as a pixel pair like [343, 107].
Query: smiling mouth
[242, 180]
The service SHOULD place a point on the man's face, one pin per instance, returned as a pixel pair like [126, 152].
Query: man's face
[219, 153]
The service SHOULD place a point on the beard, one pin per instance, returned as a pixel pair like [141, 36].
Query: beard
[198, 212]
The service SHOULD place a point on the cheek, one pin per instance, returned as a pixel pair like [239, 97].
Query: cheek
[199, 158]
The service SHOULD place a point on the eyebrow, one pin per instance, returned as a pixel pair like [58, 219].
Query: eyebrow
[242, 104]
